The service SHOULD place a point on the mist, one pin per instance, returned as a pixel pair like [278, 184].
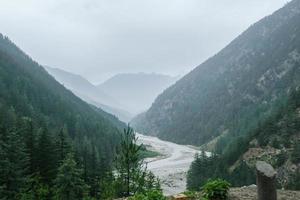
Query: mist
[98, 39]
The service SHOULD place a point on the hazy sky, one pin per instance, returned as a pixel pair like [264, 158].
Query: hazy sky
[99, 38]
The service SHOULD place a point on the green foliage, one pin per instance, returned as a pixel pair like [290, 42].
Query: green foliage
[63, 144]
[216, 190]
[275, 143]
[108, 190]
[278, 130]
[132, 175]
[190, 194]
[242, 175]
[69, 183]
[200, 171]
[294, 183]
[35, 189]
[40, 123]
[46, 161]
[128, 164]
[281, 159]
[295, 156]
[149, 195]
[145, 153]
[233, 91]
[13, 165]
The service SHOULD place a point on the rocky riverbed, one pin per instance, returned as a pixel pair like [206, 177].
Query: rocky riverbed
[171, 167]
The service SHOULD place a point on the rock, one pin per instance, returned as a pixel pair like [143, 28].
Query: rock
[250, 193]
[266, 181]
[180, 197]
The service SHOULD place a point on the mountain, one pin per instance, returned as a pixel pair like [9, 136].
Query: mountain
[230, 93]
[89, 92]
[276, 140]
[40, 122]
[136, 91]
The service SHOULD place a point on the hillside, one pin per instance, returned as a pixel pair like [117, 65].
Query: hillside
[40, 121]
[235, 89]
[136, 91]
[276, 140]
[89, 92]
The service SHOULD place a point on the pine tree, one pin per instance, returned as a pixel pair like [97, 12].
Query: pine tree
[35, 189]
[107, 186]
[94, 180]
[13, 163]
[198, 172]
[46, 160]
[63, 144]
[69, 184]
[132, 176]
[128, 162]
[30, 145]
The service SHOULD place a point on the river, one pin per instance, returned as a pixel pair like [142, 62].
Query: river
[172, 166]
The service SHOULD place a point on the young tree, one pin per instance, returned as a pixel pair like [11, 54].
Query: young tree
[69, 184]
[128, 162]
[132, 176]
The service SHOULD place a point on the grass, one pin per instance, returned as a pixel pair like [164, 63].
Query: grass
[146, 153]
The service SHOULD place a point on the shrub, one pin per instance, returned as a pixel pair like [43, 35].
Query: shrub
[280, 159]
[295, 156]
[149, 195]
[191, 194]
[216, 190]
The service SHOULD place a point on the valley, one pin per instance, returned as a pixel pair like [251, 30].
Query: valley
[229, 129]
[172, 166]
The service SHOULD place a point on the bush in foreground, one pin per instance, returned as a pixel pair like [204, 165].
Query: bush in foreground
[216, 190]
[149, 195]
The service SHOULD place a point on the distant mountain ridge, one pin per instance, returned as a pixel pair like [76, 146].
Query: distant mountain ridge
[137, 91]
[80, 85]
[233, 91]
[89, 93]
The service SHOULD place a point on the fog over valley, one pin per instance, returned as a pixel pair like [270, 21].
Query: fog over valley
[150, 100]
[99, 39]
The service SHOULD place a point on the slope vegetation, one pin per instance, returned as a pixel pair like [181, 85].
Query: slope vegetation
[235, 89]
[37, 118]
[276, 140]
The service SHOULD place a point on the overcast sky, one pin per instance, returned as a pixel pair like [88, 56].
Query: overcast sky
[100, 38]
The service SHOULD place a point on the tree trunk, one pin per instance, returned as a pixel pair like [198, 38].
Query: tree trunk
[266, 181]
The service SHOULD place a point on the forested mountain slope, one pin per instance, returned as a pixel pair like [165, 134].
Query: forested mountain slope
[276, 140]
[235, 89]
[37, 118]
